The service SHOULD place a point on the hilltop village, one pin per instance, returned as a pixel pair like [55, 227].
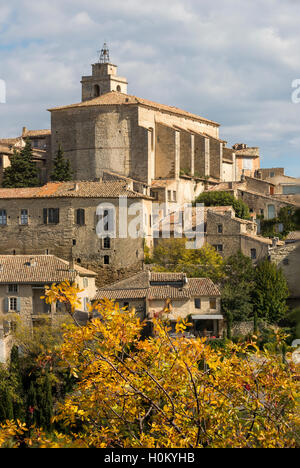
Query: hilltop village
[120, 146]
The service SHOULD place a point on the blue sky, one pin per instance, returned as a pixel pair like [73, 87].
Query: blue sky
[231, 61]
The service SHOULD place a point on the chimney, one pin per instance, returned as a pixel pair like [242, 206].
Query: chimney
[72, 265]
[24, 131]
[76, 187]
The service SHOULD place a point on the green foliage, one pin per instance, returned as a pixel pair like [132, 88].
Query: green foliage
[62, 168]
[23, 171]
[172, 255]
[288, 217]
[238, 286]
[225, 199]
[271, 292]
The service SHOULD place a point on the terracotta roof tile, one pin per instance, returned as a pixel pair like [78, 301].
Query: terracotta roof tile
[36, 133]
[159, 286]
[73, 190]
[45, 269]
[115, 98]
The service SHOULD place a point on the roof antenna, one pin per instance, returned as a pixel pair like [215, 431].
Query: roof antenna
[104, 54]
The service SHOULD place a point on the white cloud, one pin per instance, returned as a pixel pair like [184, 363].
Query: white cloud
[231, 61]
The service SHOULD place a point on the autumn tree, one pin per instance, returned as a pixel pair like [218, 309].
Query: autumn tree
[174, 256]
[164, 392]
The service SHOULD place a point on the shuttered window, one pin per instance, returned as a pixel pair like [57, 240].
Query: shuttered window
[3, 218]
[80, 217]
[51, 215]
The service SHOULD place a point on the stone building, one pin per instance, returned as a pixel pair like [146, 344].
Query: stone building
[41, 145]
[111, 130]
[287, 257]
[195, 298]
[247, 160]
[63, 219]
[22, 283]
[259, 195]
[225, 232]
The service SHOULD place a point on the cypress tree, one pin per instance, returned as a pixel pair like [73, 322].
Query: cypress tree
[62, 168]
[22, 171]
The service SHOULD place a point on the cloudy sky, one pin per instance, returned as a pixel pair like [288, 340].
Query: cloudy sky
[231, 61]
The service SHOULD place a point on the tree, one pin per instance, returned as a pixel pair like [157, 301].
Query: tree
[271, 292]
[22, 171]
[62, 168]
[164, 392]
[225, 199]
[173, 255]
[238, 287]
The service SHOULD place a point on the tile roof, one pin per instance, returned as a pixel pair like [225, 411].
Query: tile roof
[36, 133]
[116, 98]
[151, 285]
[107, 189]
[45, 269]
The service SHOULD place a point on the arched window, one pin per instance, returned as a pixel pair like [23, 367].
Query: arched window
[119, 88]
[97, 90]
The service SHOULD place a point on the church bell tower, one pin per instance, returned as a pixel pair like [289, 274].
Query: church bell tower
[104, 78]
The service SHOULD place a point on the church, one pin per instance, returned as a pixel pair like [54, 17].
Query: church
[156, 144]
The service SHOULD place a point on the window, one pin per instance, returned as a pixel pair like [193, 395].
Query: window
[107, 243]
[271, 212]
[272, 174]
[174, 196]
[85, 282]
[96, 91]
[51, 215]
[169, 195]
[219, 247]
[247, 164]
[106, 260]
[13, 304]
[24, 217]
[253, 254]
[197, 303]
[213, 304]
[13, 288]
[220, 228]
[80, 217]
[85, 304]
[119, 88]
[3, 217]
[74, 242]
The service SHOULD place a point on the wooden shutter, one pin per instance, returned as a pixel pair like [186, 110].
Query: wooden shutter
[56, 215]
[45, 215]
[6, 305]
[18, 304]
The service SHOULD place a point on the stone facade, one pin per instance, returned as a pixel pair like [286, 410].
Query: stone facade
[66, 238]
[197, 299]
[113, 131]
[287, 257]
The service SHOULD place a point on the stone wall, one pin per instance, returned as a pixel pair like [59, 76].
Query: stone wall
[69, 241]
[288, 258]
